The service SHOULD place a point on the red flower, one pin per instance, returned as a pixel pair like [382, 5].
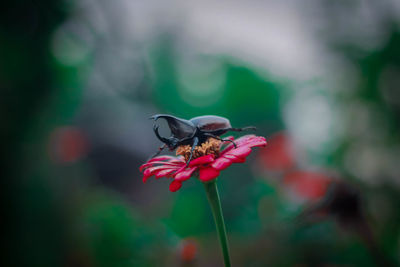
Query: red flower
[308, 185]
[208, 165]
[67, 144]
[188, 250]
[279, 155]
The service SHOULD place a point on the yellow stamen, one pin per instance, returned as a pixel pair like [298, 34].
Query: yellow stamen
[211, 146]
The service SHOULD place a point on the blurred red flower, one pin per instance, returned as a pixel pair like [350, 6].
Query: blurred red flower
[67, 144]
[208, 166]
[188, 250]
[279, 154]
[308, 185]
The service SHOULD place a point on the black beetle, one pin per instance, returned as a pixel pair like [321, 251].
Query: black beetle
[194, 132]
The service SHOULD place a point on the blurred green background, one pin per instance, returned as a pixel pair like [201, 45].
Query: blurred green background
[80, 79]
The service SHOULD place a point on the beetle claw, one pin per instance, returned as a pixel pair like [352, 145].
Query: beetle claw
[234, 144]
[229, 140]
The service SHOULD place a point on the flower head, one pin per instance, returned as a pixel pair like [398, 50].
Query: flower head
[208, 160]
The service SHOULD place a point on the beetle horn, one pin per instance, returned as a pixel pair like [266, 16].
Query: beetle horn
[180, 128]
[170, 119]
[162, 139]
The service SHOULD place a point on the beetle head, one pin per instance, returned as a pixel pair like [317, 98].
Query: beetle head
[180, 130]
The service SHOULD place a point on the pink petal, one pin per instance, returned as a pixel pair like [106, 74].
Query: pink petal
[239, 160]
[144, 166]
[259, 141]
[229, 156]
[149, 164]
[202, 160]
[165, 172]
[221, 163]
[240, 152]
[152, 170]
[234, 159]
[185, 174]
[242, 141]
[175, 185]
[227, 149]
[246, 141]
[208, 174]
[162, 158]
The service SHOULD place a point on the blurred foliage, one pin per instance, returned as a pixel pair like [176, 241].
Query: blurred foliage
[241, 95]
[76, 94]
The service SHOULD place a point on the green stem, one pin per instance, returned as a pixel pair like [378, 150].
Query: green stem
[215, 204]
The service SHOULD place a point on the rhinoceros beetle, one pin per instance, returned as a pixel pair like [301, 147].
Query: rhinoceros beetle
[193, 132]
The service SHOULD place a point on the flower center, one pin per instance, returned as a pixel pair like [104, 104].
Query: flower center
[210, 146]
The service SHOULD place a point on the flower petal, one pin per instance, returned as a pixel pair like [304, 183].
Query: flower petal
[150, 171]
[149, 164]
[246, 141]
[185, 174]
[202, 160]
[234, 159]
[239, 160]
[165, 172]
[221, 163]
[145, 166]
[229, 156]
[154, 171]
[258, 141]
[175, 185]
[208, 174]
[166, 157]
[240, 152]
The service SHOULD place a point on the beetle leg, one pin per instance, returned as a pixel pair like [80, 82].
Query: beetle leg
[224, 130]
[195, 142]
[241, 129]
[219, 138]
[161, 148]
